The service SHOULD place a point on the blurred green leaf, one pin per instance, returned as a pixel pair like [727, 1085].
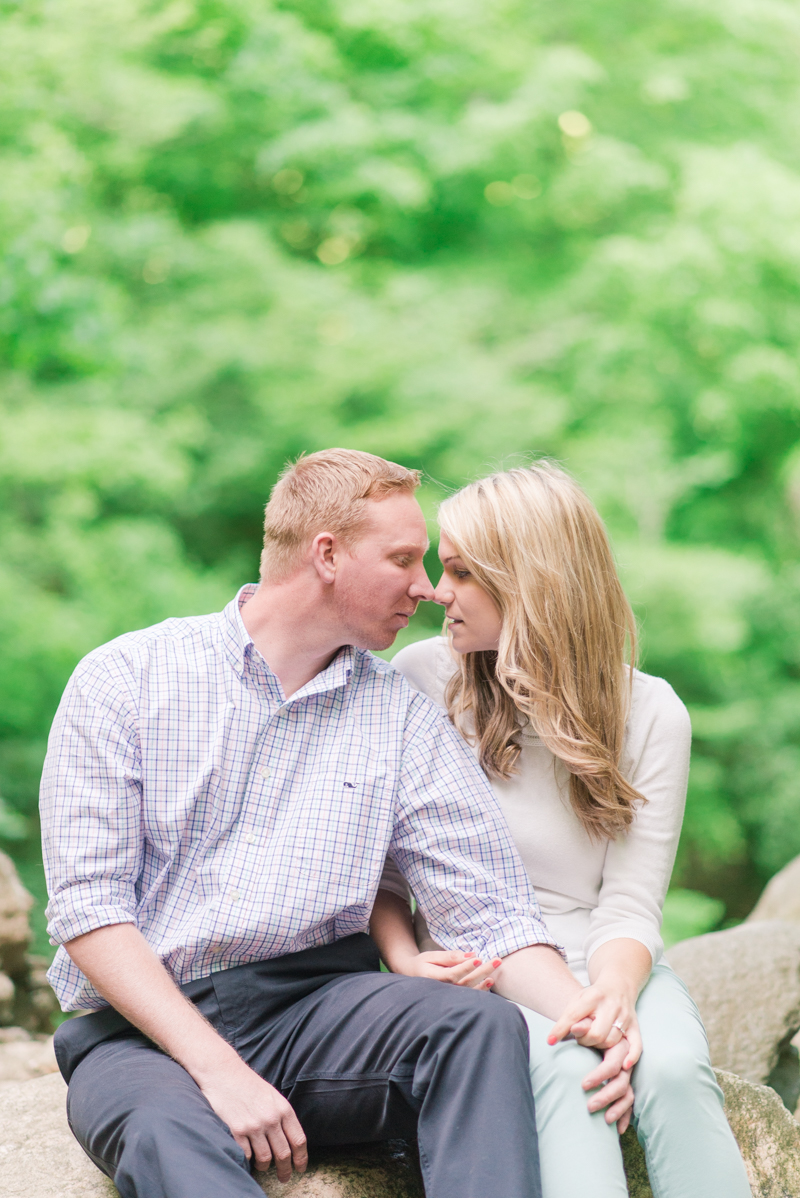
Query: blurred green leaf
[688, 913]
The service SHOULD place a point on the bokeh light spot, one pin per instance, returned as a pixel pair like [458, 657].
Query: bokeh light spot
[526, 187]
[499, 193]
[333, 250]
[76, 238]
[287, 181]
[574, 124]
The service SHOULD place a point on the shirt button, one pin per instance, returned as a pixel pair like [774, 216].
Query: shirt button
[234, 896]
[249, 838]
[265, 773]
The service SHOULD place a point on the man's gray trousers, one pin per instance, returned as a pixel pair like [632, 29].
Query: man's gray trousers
[361, 1056]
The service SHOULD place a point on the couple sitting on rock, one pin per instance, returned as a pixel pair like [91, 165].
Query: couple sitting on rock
[230, 802]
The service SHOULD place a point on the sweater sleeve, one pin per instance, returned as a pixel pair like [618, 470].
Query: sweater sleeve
[638, 866]
[426, 666]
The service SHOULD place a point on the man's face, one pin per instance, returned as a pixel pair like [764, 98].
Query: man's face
[380, 581]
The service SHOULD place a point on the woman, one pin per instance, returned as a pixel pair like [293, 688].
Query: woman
[589, 760]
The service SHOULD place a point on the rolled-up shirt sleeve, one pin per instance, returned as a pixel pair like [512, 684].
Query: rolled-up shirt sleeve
[91, 804]
[638, 866]
[454, 848]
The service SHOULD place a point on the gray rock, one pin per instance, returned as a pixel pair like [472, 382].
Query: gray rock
[6, 998]
[15, 903]
[781, 896]
[42, 1160]
[746, 983]
[25, 995]
[767, 1135]
[368, 1171]
[24, 1056]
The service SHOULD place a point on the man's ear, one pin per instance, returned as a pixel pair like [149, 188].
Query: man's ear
[325, 549]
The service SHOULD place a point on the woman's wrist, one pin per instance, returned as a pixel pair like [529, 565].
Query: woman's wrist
[611, 980]
[401, 959]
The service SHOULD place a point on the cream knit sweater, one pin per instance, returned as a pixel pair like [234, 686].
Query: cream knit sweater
[589, 891]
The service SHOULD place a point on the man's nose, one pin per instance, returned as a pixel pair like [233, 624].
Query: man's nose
[421, 587]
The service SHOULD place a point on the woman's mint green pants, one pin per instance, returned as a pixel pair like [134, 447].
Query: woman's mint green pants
[678, 1112]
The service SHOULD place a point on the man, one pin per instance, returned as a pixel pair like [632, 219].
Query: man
[218, 799]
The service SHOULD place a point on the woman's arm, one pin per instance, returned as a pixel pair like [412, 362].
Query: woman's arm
[624, 932]
[525, 977]
[392, 930]
[618, 971]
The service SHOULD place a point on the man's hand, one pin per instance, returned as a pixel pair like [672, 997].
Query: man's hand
[261, 1121]
[120, 963]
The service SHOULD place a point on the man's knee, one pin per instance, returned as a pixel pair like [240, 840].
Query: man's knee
[483, 1017]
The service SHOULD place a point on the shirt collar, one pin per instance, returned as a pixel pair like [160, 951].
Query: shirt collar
[239, 646]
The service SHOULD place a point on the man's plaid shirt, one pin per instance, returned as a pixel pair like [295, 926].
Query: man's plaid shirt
[182, 792]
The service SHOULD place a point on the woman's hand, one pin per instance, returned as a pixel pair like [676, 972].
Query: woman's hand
[460, 969]
[601, 1016]
[614, 1084]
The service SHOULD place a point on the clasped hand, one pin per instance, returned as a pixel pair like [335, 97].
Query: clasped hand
[590, 1019]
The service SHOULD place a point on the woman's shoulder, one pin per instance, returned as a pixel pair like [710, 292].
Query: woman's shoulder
[427, 666]
[655, 707]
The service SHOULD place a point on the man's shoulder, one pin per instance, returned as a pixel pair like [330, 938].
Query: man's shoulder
[178, 633]
[379, 677]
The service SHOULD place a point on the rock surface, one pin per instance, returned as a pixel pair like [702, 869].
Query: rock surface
[15, 903]
[768, 1136]
[23, 1056]
[781, 896]
[746, 983]
[40, 1158]
[25, 996]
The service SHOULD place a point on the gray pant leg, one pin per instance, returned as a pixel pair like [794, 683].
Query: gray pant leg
[143, 1121]
[375, 1056]
[364, 1056]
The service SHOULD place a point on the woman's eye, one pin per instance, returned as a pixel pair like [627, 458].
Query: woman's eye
[461, 573]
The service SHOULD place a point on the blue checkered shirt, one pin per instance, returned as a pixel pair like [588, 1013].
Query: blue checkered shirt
[182, 792]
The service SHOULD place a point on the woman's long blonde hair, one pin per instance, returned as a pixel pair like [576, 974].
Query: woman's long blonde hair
[533, 539]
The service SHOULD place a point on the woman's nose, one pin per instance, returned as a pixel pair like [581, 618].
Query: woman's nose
[443, 593]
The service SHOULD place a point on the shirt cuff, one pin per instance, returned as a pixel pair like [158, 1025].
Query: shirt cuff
[72, 913]
[501, 940]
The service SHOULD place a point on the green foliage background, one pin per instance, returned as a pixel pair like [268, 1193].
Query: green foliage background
[450, 233]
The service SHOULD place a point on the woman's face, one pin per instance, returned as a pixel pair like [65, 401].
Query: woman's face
[475, 620]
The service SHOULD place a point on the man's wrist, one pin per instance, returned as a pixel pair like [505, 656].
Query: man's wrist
[208, 1056]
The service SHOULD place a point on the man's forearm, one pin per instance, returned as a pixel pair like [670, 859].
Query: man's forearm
[537, 977]
[119, 962]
